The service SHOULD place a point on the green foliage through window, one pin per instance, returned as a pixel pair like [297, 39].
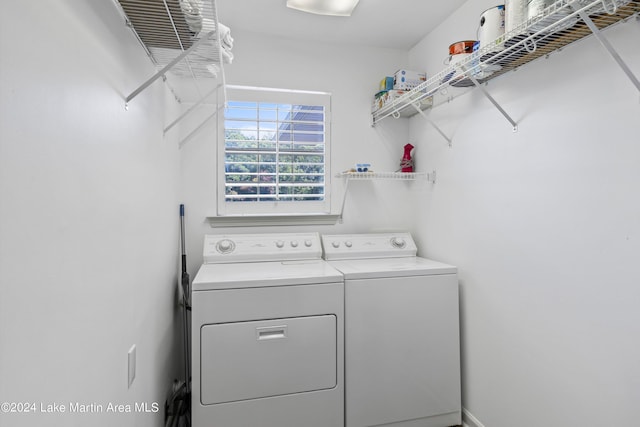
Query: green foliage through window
[274, 152]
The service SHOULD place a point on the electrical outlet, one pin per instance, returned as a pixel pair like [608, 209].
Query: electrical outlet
[131, 355]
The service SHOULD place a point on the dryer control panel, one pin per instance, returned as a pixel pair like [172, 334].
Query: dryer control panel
[365, 246]
[223, 248]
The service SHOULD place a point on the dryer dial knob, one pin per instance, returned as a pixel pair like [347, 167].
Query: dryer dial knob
[294, 243]
[225, 246]
[335, 244]
[398, 242]
[348, 243]
[280, 243]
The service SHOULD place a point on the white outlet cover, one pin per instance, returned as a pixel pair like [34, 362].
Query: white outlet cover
[132, 364]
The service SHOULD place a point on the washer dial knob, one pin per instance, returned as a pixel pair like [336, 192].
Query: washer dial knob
[294, 243]
[348, 243]
[308, 243]
[280, 243]
[225, 246]
[398, 242]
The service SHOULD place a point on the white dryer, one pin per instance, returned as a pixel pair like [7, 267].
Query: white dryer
[267, 334]
[402, 351]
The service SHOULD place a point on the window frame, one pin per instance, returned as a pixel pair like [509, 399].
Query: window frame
[288, 209]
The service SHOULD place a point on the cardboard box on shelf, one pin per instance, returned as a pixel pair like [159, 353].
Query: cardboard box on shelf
[407, 80]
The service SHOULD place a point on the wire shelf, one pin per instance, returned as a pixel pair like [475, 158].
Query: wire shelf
[397, 176]
[559, 25]
[388, 176]
[166, 28]
[187, 43]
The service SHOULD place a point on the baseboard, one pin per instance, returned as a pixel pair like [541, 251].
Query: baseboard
[468, 420]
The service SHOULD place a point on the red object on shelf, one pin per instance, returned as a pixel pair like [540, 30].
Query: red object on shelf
[406, 164]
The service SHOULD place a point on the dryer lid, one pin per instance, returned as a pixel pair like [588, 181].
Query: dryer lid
[262, 274]
[391, 267]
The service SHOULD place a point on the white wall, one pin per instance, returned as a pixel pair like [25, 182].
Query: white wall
[352, 76]
[88, 217]
[544, 225]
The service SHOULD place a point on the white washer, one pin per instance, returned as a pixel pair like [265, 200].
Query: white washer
[267, 334]
[402, 351]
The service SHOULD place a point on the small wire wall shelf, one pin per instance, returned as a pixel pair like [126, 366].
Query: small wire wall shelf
[387, 176]
[561, 24]
[395, 176]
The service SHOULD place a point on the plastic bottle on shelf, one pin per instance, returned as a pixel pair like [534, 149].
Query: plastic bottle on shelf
[406, 165]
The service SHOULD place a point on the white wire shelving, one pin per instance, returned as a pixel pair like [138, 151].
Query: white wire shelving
[386, 176]
[183, 40]
[395, 176]
[561, 24]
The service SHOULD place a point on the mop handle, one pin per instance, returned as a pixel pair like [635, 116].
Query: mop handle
[184, 252]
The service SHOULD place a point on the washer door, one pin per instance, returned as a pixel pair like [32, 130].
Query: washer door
[251, 360]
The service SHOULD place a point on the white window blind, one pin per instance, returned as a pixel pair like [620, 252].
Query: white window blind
[275, 153]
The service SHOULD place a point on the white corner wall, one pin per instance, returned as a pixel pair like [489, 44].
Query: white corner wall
[88, 219]
[352, 75]
[544, 225]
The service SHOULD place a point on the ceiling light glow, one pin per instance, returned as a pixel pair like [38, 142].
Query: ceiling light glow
[324, 7]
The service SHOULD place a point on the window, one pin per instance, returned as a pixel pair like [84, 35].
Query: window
[275, 154]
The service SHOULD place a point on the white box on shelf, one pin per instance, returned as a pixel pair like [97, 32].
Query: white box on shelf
[407, 80]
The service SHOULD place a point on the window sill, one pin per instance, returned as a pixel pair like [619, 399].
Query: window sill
[273, 220]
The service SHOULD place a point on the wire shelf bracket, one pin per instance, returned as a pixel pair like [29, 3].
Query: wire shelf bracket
[190, 109]
[490, 98]
[200, 126]
[432, 123]
[166, 69]
[609, 48]
[389, 176]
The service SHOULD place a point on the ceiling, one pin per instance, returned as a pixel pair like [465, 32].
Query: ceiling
[398, 24]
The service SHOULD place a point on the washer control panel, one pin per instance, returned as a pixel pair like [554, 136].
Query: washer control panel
[364, 246]
[223, 248]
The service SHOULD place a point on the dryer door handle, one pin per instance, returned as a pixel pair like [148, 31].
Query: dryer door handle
[271, 332]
